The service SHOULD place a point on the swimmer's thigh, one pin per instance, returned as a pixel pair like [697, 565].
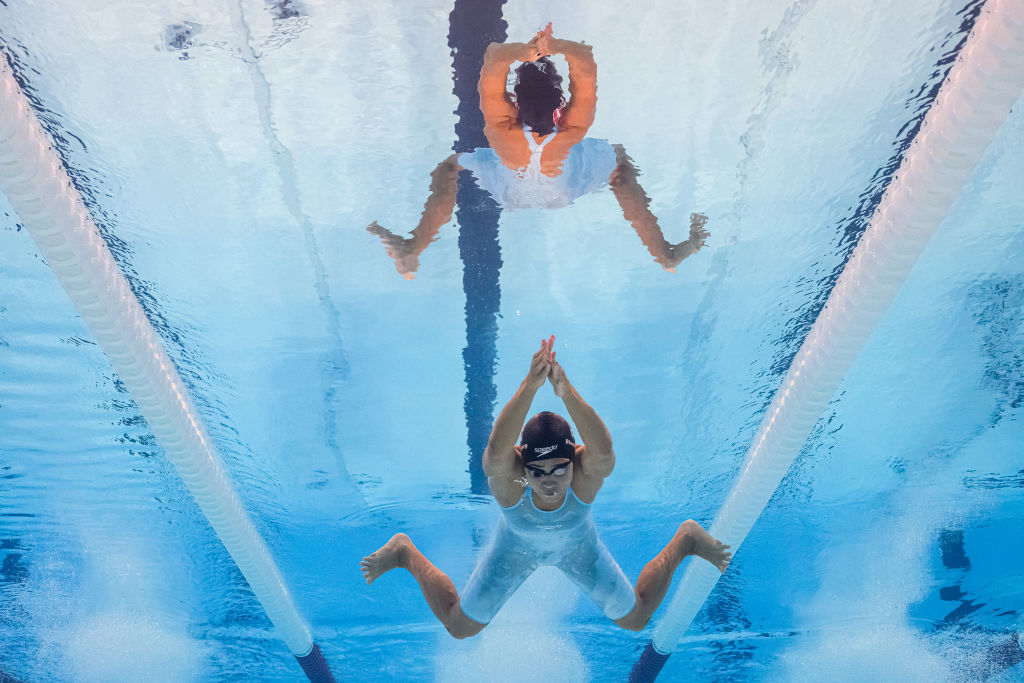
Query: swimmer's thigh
[591, 567]
[502, 568]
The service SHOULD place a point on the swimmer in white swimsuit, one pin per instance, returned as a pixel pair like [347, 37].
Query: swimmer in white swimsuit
[539, 155]
[545, 487]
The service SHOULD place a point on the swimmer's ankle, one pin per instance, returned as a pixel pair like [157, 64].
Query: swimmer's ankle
[403, 544]
[689, 532]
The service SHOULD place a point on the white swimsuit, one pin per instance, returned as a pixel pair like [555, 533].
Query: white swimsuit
[528, 537]
[586, 169]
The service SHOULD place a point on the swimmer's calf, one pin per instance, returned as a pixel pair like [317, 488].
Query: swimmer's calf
[437, 588]
[690, 539]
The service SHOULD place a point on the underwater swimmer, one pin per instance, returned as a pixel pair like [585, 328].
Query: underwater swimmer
[538, 154]
[545, 486]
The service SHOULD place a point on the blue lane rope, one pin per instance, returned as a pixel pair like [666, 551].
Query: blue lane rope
[315, 666]
[649, 665]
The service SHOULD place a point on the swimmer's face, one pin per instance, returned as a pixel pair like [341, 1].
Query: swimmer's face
[549, 479]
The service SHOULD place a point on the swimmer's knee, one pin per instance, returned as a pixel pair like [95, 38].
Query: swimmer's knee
[460, 626]
[637, 618]
[465, 629]
[462, 635]
[631, 622]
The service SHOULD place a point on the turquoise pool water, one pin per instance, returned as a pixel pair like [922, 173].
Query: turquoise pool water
[234, 154]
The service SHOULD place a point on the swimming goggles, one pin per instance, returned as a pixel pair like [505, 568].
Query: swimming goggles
[556, 471]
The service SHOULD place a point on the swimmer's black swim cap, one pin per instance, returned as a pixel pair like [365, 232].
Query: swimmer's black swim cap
[547, 435]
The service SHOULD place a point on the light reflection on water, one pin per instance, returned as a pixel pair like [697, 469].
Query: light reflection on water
[773, 121]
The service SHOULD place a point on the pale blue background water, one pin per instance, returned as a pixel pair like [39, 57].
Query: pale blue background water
[235, 194]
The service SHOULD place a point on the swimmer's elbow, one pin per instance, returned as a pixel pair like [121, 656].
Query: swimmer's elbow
[495, 57]
[604, 470]
[488, 462]
[496, 466]
[599, 464]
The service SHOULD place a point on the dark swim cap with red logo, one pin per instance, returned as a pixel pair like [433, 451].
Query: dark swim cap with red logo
[547, 435]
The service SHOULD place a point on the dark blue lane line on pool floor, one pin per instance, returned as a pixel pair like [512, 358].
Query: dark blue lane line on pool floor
[473, 24]
[971, 661]
[951, 547]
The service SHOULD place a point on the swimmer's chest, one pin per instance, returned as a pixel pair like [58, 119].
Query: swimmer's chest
[525, 518]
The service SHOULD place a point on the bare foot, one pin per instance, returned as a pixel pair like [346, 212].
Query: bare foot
[387, 558]
[697, 232]
[704, 545]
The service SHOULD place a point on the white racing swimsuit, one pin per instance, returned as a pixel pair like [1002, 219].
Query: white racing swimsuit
[528, 537]
[586, 169]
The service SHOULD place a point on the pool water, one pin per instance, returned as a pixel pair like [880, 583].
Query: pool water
[233, 154]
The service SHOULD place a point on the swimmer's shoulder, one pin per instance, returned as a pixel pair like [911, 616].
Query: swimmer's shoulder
[506, 487]
[506, 138]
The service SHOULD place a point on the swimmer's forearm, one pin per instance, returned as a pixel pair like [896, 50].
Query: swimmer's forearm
[579, 56]
[498, 60]
[503, 54]
[591, 427]
[500, 454]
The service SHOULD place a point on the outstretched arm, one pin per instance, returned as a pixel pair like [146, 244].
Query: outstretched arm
[436, 212]
[502, 462]
[578, 115]
[597, 458]
[500, 115]
[495, 103]
[635, 209]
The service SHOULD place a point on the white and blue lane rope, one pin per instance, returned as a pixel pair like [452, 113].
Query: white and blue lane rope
[973, 101]
[36, 184]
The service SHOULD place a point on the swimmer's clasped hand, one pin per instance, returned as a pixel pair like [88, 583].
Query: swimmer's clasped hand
[540, 44]
[540, 364]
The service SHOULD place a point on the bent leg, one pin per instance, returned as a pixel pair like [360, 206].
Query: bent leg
[436, 212]
[593, 569]
[635, 204]
[656, 577]
[437, 588]
[500, 570]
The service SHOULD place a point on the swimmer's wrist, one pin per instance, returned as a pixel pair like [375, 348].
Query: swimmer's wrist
[559, 45]
[528, 385]
[508, 52]
[568, 47]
